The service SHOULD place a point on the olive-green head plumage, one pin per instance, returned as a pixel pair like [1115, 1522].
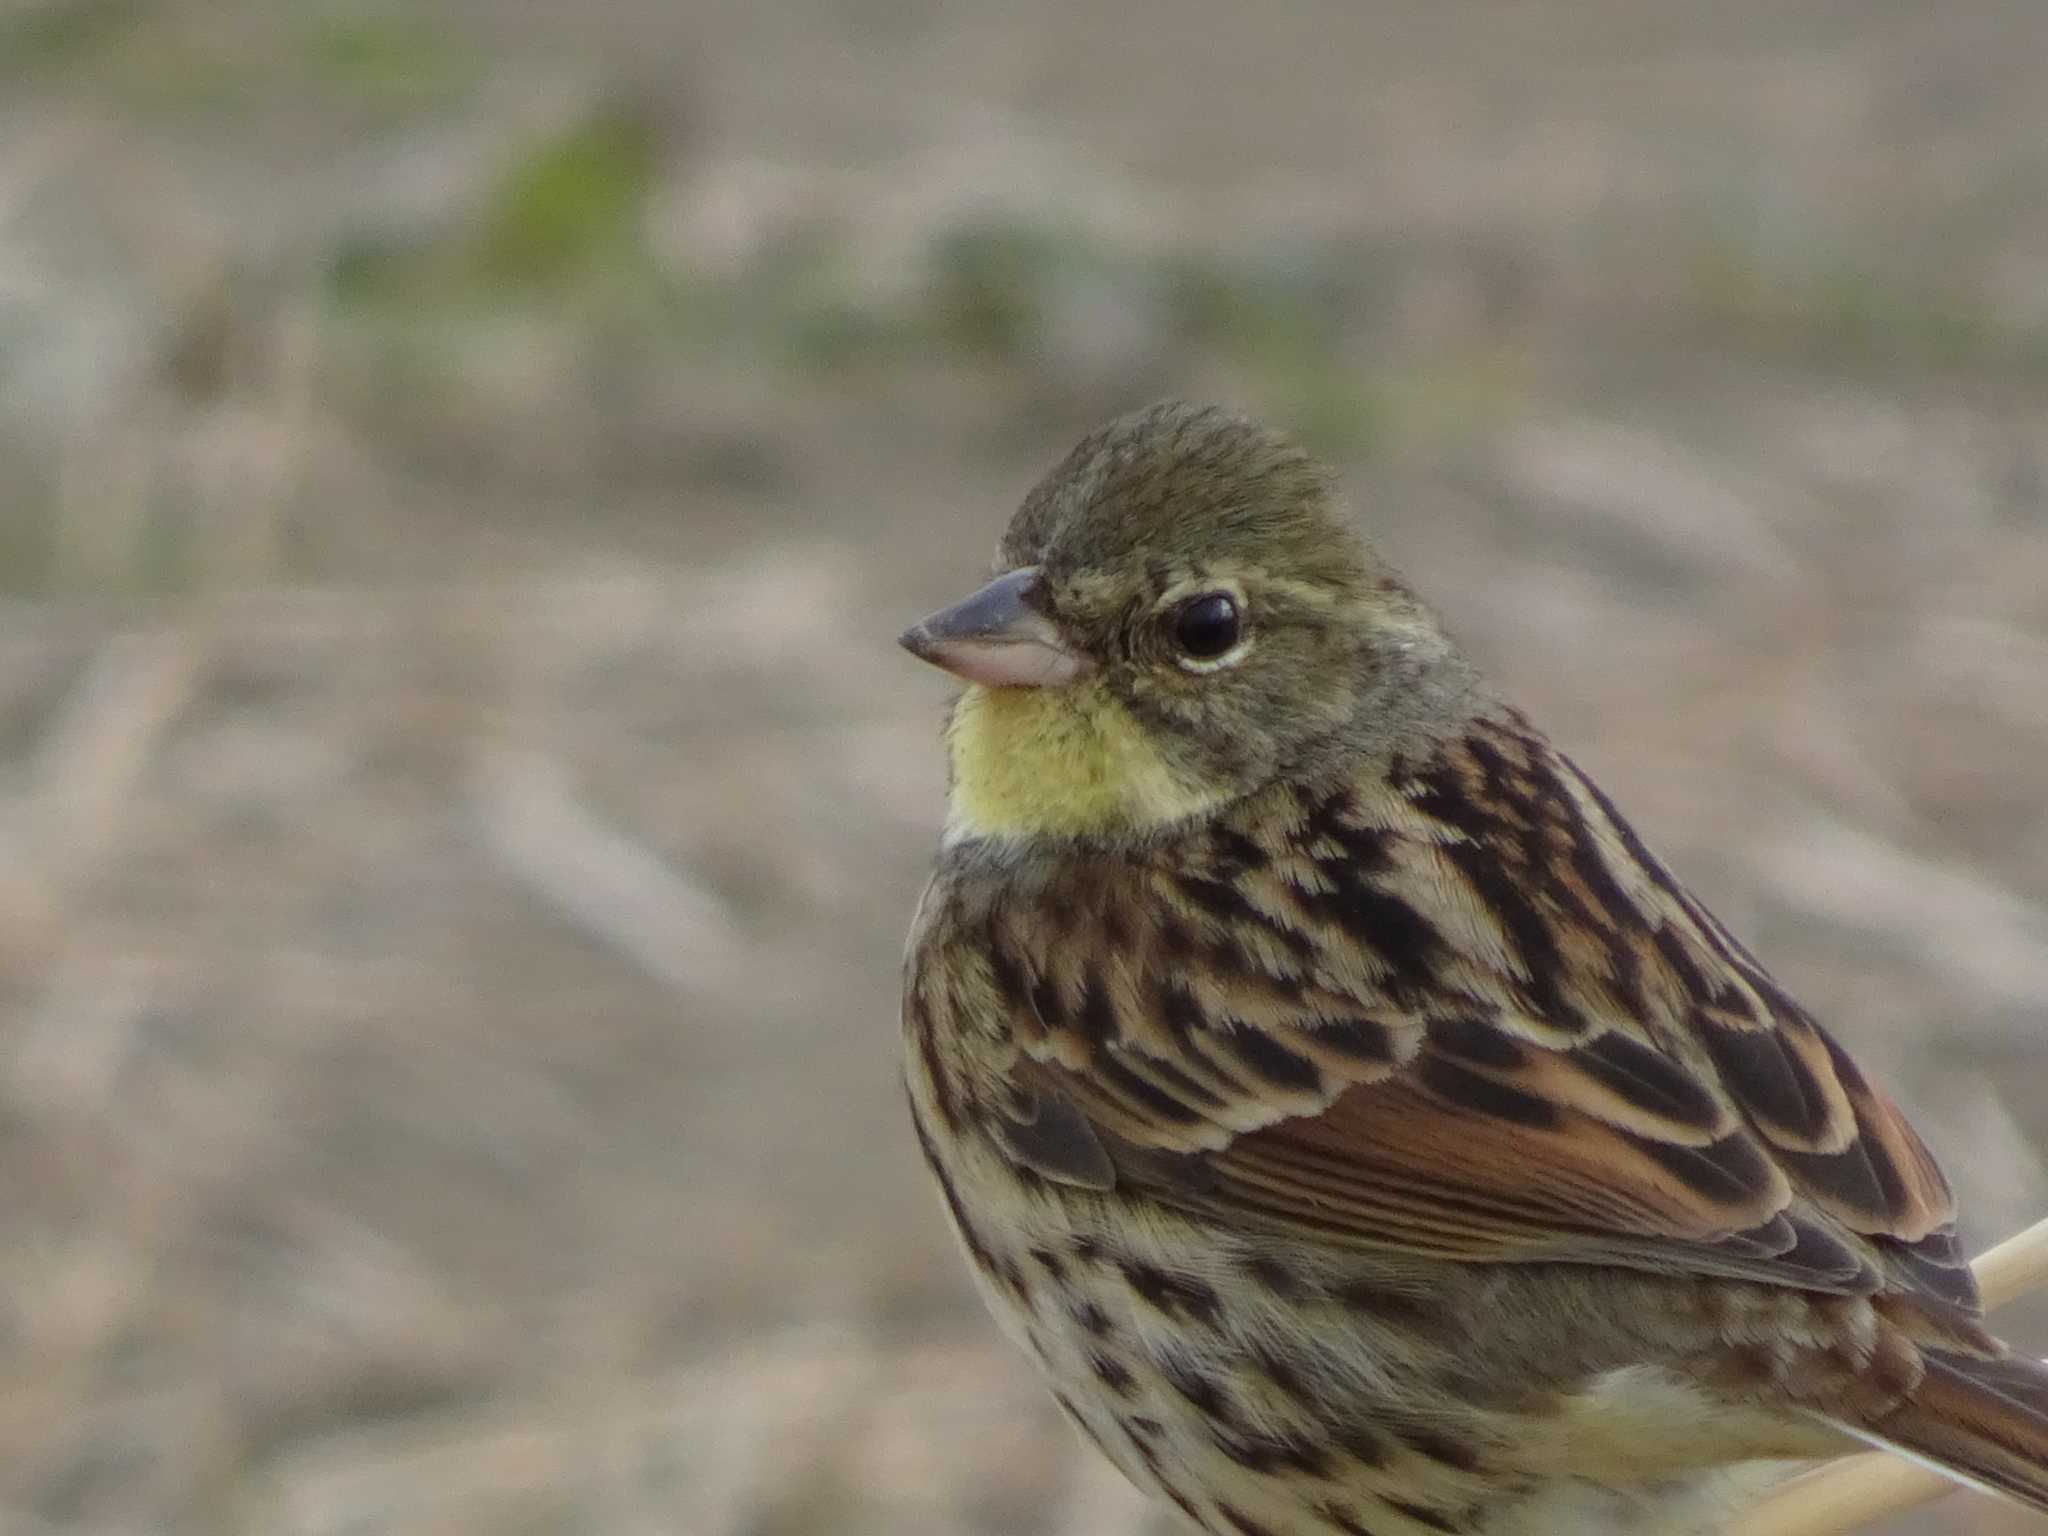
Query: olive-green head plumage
[1180, 617]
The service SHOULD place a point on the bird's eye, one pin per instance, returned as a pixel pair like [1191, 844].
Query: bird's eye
[1206, 627]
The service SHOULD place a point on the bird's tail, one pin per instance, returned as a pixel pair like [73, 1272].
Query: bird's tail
[1982, 1422]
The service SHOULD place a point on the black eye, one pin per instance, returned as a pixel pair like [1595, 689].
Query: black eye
[1207, 626]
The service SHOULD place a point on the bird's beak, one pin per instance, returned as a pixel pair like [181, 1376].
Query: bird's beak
[999, 637]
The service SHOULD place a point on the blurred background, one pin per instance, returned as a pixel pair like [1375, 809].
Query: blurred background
[463, 464]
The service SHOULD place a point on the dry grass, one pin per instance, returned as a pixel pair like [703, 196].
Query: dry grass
[458, 480]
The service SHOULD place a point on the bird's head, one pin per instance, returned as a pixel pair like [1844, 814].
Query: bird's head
[1179, 617]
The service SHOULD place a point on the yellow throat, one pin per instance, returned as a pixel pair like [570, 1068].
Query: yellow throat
[1031, 762]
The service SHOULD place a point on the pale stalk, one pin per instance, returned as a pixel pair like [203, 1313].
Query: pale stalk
[1848, 1494]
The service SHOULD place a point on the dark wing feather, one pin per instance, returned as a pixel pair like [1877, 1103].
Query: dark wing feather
[1460, 1012]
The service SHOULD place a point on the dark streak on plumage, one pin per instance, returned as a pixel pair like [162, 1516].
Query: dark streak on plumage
[1477, 1042]
[1363, 1444]
[1773, 1085]
[1361, 1039]
[1141, 1441]
[1188, 1507]
[1233, 854]
[1226, 954]
[1422, 1514]
[1345, 1519]
[1441, 1448]
[1181, 1083]
[1112, 1373]
[1243, 1523]
[1678, 959]
[1405, 942]
[1007, 977]
[1728, 1172]
[1115, 928]
[1046, 1004]
[1096, 1019]
[1527, 930]
[1898, 1199]
[1145, 1093]
[1272, 1455]
[936, 1070]
[1174, 1295]
[1844, 1178]
[1176, 940]
[1459, 1085]
[1280, 1371]
[1649, 1080]
[1384, 1303]
[1221, 900]
[1276, 1277]
[1273, 1061]
[1093, 1320]
[1074, 1417]
[1011, 1274]
[1617, 920]
[970, 1236]
[1175, 1006]
[1201, 1390]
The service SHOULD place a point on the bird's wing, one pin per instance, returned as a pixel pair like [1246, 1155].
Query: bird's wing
[1457, 1010]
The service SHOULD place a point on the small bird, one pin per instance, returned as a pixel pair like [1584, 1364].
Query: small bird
[1361, 1129]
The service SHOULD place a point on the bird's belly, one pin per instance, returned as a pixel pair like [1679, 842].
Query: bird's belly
[1269, 1392]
